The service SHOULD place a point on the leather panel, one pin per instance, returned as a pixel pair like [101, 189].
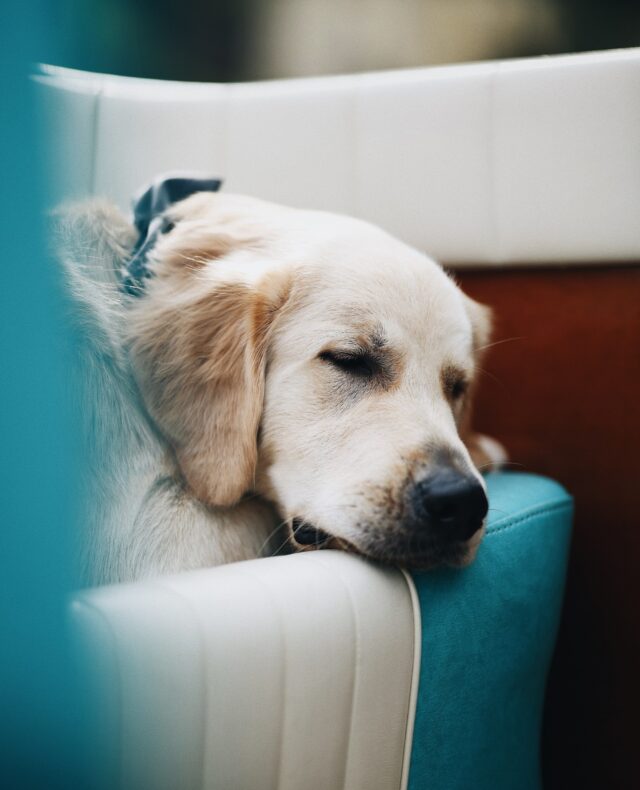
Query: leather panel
[503, 162]
[280, 673]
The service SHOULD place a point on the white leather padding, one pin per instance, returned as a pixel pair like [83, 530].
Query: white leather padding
[276, 674]
[522, 161]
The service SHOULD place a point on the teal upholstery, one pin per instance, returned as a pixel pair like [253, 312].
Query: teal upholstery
[488, 633]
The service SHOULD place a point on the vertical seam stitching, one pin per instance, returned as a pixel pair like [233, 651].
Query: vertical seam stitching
[94, 135]
[495, 245]
[357, 655]
[204, 717]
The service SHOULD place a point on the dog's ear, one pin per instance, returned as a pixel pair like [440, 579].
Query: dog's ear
[485, 452]
[198, 342]
[481, 318]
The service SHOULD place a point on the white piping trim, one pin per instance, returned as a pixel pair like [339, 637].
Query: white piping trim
[415, 678]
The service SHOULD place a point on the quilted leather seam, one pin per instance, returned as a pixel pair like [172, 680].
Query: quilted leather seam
[95, 133]
[357, 658]
[282, 635]
[495, 242]
[188, 606]
[553, 508]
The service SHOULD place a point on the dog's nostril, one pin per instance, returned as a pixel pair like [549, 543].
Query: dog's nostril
[451, 503]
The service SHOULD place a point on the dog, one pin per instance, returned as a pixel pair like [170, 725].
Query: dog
[284, 372]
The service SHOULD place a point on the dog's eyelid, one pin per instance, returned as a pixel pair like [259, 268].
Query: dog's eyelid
[343, 353]
[455, 383]
[356, 361]
[458, 388]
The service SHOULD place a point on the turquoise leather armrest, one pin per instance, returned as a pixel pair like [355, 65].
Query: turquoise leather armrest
[488, 633]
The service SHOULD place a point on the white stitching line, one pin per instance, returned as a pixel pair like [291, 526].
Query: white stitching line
[415, 679]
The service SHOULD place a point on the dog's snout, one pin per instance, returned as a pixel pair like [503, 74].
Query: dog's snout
[450, 503]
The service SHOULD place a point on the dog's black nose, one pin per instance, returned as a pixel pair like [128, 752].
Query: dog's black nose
[453, 505]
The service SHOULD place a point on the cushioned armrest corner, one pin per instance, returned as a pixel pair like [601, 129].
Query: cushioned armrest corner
[487, 640]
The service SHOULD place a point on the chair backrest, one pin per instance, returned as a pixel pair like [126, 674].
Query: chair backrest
[524, 161]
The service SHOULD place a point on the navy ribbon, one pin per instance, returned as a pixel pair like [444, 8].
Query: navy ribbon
[149, 218]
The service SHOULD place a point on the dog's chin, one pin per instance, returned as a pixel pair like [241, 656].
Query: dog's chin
[457, 554]
[307, 537]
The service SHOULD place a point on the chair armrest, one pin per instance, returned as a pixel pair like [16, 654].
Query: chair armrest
[488, 633]
[302, 671]
[286, 672]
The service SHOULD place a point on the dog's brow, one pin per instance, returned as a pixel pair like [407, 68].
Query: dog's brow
[366, 339]
[451, 373]
[377, 339]
[371, 339]
[375, 343]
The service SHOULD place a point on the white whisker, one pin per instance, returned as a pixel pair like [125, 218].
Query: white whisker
[500, 342]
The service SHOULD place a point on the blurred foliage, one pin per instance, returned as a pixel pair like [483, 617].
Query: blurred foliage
[214, 40]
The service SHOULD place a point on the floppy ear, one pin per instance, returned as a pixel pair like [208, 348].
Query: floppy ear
[485, 452]
[198, 344]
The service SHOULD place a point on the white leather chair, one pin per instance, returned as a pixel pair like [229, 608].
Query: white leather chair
[516, 161]
[455, 160]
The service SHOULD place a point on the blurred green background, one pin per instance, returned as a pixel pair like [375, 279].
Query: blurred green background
[229, 40]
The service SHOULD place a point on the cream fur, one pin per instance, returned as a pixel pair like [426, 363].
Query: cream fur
[213, 413]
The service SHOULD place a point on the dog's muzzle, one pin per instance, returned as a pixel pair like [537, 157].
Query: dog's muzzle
[443, 512]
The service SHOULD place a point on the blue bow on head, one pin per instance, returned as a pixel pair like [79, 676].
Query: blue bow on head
[149, 217]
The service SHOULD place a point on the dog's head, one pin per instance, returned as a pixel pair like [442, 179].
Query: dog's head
[315, 360]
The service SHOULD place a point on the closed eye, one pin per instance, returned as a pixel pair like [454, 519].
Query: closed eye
[454, 383]
[358, 363]
[458, 389]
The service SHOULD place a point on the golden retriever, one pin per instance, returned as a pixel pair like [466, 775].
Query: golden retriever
[283, 368]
